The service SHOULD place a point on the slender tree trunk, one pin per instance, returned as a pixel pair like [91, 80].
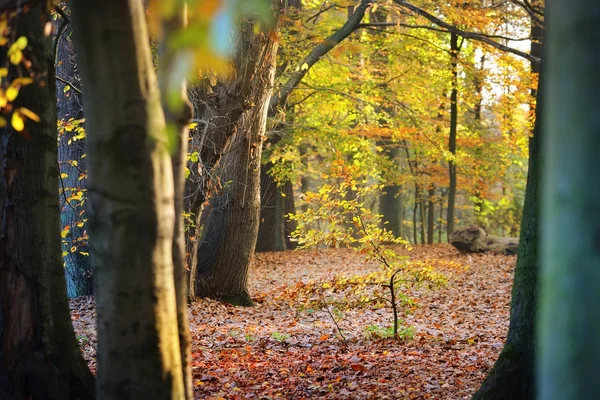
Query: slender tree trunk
[229, 224]
[39, 355]
[415, 208]
[289, 207]
[422, 219]
[178, 113]
[513, 375]
[569, 324]
[131, 203]
[71, 151]
[430, 215]
[454, 49]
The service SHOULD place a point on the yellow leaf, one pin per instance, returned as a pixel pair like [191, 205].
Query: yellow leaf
[192, 125]
[20, 43]
[3, 71]
[74, 163]
[12, 92]
[73, 249]
[84, 253]
[304, 67]
[17, 122]
[16, 56]
[66, 88]
[63, 175]
[29, 114]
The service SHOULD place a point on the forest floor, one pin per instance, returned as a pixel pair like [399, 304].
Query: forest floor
[321, 330]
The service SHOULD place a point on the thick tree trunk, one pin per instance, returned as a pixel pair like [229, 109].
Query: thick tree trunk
[228, 226]
[513, 375]
[71, 151]
[569, 324]
[131, 211]
[391, 208]
[178, 113]
[454, 49]
[39, 355]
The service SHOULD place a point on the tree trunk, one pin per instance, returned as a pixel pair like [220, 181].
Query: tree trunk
[131, 206]
[289, 207]
[422, 218]
[71, 151]
[178, 113]
[271, 232]
[391, 209]
[229, 223]
[569, 324]
[454, 49]
[39, 355]
[513, 375]
[430, 216]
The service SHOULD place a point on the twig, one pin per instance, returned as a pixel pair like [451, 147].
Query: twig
[333, 319]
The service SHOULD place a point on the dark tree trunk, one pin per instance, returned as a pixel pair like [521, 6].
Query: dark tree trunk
[569, 323]
[390, 200]
[430, 216]
[271, 233]
[131, 206]
[454, 49]
[289, 207]
[513, 375]
[422, 219]
[391, 208]
[72, 162]
[39, 355]
[228, 226]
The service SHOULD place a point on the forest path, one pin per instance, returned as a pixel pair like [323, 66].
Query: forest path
[288, 346]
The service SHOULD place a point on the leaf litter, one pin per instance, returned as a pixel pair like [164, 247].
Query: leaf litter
[321, 329]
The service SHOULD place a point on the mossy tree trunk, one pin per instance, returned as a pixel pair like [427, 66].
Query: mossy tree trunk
[513, 375]
[39, 354]
[569, 324]
[131, 206]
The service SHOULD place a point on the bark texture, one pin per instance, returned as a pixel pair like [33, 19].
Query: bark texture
[178, 113]
[513, 375]
[70, 148]
[569, 325]
[235, 111]
[39, 355]
[131, 207]
[454, 49]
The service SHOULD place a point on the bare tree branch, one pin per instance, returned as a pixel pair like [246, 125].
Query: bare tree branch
[465, 34]
[280, 97]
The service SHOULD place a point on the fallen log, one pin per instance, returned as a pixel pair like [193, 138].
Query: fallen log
[473, 239]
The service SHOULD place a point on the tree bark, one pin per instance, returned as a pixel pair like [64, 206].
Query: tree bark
[430, 215]
[228, 225]
[569, 324]
[271, 232]
[513, 375]
[131, 206]
[178, 113]
[39, 355]
[454, 49]
[70, 107]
